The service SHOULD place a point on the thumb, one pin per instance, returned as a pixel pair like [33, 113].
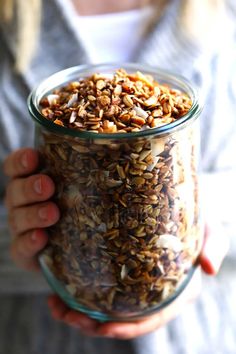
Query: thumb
[215, 248]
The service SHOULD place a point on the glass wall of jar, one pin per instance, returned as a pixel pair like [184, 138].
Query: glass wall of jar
[130, 230]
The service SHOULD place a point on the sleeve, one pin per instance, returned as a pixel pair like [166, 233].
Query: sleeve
[218, 127]
[16, 128]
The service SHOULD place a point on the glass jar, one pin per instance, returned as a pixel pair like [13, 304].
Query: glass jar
[130, 231]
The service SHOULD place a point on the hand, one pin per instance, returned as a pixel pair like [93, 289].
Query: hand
[213, 253]
[29, 211]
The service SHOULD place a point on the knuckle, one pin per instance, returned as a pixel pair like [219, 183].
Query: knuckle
[7, 165]
[8, 195]
[27, 188]
[22, 252]
[24, 246]
[17, 251]
[13, 224]
[29, 217]
[4, 166]
[12, 166]
[20, 162]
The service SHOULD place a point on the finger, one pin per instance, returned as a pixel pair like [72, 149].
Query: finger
[129, 330]
[32, 217]
[60, 311]
[132, 329]
[58, 308]
[73, 318]
[23, 191]
[80, 320]
[55, 302]
[25, 248]
[21, 162]
[214, 249]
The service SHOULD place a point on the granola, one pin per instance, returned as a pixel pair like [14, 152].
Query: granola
[130, 229]
[120, 103]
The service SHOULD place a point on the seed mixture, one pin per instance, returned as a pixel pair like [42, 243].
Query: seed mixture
[120, 103]
[129, 230]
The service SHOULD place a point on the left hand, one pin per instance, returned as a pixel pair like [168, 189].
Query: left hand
[211, 257]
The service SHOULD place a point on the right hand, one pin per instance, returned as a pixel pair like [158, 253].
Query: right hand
[29, 208]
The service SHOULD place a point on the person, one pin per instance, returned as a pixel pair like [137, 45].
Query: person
[178, 35]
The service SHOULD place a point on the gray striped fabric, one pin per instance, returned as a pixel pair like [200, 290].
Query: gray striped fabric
[207, 327]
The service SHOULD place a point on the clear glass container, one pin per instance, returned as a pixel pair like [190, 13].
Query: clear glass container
[130, 231]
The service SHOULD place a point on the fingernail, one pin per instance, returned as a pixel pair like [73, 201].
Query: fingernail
[24, 161]
[38, 186]
[43, 213]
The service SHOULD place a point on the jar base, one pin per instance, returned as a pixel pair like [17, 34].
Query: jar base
[73, 304]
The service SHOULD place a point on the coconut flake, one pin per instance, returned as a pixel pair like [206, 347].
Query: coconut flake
[124, 272]
[151, 101]
[73, 99]
[144, 154]
[140, 112]
[153, 164]
[73, 117]
[169, 241]
[110, 124]
[52, 98]
[106, 173]
[157, 147]
[71, 288]
[102, 227]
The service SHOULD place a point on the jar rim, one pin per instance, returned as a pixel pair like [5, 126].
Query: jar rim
[70, 74]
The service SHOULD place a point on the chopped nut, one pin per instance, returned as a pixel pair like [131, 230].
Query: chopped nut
[120, 171]
[52, 99]
[100, 84]
[138, 120]
[144, 154]
[73, 117]
[73, 100]
[170, 242]
[140, 112]
[138, 181]
[103, 100]
[128, 101]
